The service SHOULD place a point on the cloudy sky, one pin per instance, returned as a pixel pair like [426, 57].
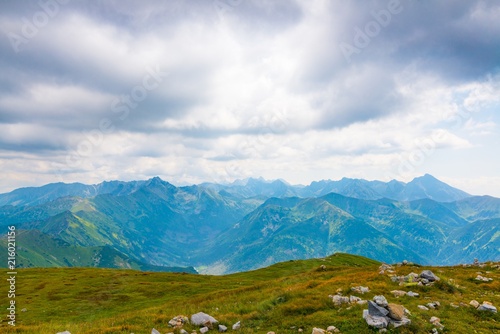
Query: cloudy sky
[196, 91]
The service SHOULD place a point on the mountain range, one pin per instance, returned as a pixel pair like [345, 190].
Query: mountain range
[223, 228]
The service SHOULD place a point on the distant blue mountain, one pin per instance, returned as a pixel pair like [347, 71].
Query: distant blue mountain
[252, 223]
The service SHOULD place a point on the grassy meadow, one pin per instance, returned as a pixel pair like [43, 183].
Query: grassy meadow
[282, 298]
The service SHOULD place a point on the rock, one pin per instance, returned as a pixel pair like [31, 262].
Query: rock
[203, 330]
[67, 332]
[484, 279]
[412, 294]
[222, 328]
[396, 311]
[422, 307]
[429, 275]
[431, 305]
[403, 322]
[204, 319]
[374, 321]
[354, 299]
[360, 289]
[271, 333]
[332, 329]
[380, 300]
[318, 331]
[339, 300]
[178, 321]
[154, 331]
[183, 331]
[376, 310]
[487, 307]
[361, 302]
[436, 322]
[398, 293]
[382, 330]
[474, 303]
[237, 326]
[454, 305]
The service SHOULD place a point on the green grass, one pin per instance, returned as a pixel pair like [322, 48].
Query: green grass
[281, 298]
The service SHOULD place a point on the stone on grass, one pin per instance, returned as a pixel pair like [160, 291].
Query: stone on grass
[398, 293]
[318, 331]
[65, 332]
[203, 330]
[429, 275]
[380, 300]
[487, 307]
[376, 310]
[422, 307]
[374, 321]
[204, 319]
[237, 326]
[474, 303]
[396, 311]
[222, 328]
[154, 331]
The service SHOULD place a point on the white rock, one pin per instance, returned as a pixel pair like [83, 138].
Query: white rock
[237, 326]
[222, 328]
[422, 307]
[380, 300]
[154, 331]
[487, 307]
[203, 330]
[201, 318]
[65, 332]
[318, 331]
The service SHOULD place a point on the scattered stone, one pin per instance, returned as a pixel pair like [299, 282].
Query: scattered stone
[404, 322]
[412, 294]
[332, 329]
[203, 319]
[300, 330]
[454, 305]
[203, 330]
[178, 321]
[24, 310]
[361, 302]
[382, 330]
[483, 279]
[237, 326]
[396, 311]
[354, 299]
[67, 332]
[360, 289]
[436, 322]
[429, 275]
[398, 293]
[153, 331]
[339, 300]
[380, 300]
[374, 321]
[318, 331]
[222, 328]
[422, 307]
[376, 310]
[487, 307]
[183, 331]
[271, 333]
[474, 303]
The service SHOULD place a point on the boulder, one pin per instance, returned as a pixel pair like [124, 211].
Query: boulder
[396, 311]
[203, 319]
[474, 303]
[429, 275]
[403, 322]
[398, 293]
[412, 294]
[380, 300]
[332, 329]
[374, 321]
[487, 307]
[339, 300]
[376, 310]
